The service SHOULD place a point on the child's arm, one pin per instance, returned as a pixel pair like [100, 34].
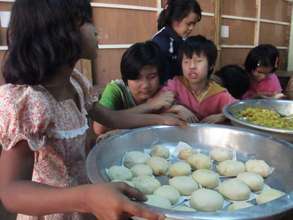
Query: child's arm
[20, 195]
[162, 101]
[184, 113]
[124, 119]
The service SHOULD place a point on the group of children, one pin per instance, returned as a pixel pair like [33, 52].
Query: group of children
[45, 104]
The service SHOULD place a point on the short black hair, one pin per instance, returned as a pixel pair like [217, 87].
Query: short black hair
[262, 55]
[176, 10]
[235, 79]
[199, 45]
[43, 35]
[138, 56]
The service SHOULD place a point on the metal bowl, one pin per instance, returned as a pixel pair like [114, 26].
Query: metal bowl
[276, 152]
[284, 107]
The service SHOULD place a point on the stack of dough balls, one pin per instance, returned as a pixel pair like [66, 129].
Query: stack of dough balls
[230, 168]
[184, 184]
[234, 189]
[135, 157]
[159, 165]
[206, 178]
[253, 180]
[168, 192]
[146, 184]
[199, 161]
[206, 200]
[180, 168]
[160, 151]
[185, 153]
[192, 177]
[258, 166]
[119, 173]
[221, 154]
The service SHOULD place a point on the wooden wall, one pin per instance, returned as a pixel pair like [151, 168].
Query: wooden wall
[121, 23]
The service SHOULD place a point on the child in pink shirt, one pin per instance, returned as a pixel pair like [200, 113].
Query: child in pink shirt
[194, 89]
[261, 64]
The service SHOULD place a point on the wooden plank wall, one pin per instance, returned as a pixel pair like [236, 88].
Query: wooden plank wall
[121, 23]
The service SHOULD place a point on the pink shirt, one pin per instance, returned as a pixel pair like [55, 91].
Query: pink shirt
[268, 86]
[213, 101]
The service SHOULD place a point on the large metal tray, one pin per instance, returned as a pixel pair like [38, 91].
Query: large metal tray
[276, 152]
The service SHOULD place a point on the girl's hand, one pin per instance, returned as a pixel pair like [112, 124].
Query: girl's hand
[162, 101]
[184, 113]
[214, 119]
[172, 120]
[112, 202]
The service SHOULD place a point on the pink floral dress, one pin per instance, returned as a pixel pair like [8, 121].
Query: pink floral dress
[55, 131]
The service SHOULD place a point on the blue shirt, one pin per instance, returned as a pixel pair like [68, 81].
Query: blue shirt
[169, 43]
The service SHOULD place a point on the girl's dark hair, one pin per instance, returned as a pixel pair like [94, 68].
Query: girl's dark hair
[235, 79]
[262, 55]
[43, 35]
[138, 56]
[176, 10]
[199, 45]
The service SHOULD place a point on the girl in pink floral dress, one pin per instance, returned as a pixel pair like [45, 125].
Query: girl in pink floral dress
[44, 108]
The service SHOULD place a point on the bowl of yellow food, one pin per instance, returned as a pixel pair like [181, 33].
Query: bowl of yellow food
[274, 117]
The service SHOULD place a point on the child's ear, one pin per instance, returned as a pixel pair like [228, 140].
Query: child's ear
[277, 62]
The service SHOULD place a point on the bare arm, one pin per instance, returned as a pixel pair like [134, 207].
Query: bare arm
[161, 101]
[124, 119]
[21, 195]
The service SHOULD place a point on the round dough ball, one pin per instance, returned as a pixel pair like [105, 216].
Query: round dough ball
[119, 173]
[135, 157]
[159, 165]
[141, 170]
[180, 168]
[221, 154]
[206, 200]
[184, 208]
[268, 195]
[158, 201]
[184, 184]
[206, 178]
[230, 167]
[258, 166]
[124, 181]
[235, 190]
[199, 161]
[160, 151]
[168, 192]
[239, 205]
[146, 184]
[254, 181]
[185, 153]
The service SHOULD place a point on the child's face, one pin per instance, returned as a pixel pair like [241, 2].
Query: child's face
[195, 69]
[146, 85]
[261, 72]
[89, 41]
[184, 27]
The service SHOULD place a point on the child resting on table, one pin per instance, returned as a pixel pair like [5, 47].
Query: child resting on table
[141, 69]
[261, 64]
[194, 89]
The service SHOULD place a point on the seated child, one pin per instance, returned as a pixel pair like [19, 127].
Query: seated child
[194, 89]
[261, 64]
[141, 69]
[234, 79]
[289, 89]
